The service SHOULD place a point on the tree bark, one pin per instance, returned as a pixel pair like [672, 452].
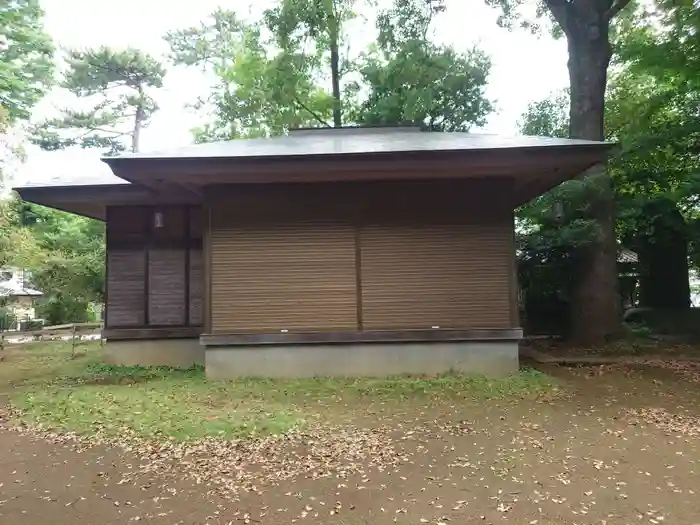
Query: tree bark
[335, 80]
[136, 133]
[595, 308]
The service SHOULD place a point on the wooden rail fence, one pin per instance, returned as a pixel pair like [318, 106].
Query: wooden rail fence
[73, 332]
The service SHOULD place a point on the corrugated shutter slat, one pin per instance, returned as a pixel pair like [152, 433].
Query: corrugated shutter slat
[450, 275]
[297, 276]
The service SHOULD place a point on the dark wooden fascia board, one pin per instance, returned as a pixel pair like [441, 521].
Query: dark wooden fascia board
[368, 336]
[280, 169]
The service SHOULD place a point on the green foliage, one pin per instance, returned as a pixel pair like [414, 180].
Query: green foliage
[116, 86]
[7, 318]
[64, 254]
[298, 25]
[26, 59]
[557, 16]
[412, 80]
[273, 74]
[103, 371]
[258, 92]
[15, 241]
[548, 117]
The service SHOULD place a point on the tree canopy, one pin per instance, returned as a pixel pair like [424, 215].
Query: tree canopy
[410, 79]
[26, 59]
[281, 72]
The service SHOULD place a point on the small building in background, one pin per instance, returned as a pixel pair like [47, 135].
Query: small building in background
[18, 300]
[628, 275]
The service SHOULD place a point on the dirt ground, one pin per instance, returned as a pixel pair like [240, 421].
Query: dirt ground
[621, 449]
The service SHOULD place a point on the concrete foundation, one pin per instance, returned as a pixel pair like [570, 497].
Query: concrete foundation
[178, 353]
[495, 358]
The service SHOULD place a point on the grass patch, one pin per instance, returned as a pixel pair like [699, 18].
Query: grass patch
[179, 408]
[42, 362]
[87, 397]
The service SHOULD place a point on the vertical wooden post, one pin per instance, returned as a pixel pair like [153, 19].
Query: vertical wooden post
[73, 333]
[102, 331]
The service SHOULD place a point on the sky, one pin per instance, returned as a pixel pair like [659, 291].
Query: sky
[525, 68]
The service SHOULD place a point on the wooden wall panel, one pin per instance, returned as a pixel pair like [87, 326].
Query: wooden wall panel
[166, 287]
[174, 225]
[144, 259]
[196, 222]
[127, 225]
[126, 288]
[206, 260]
[340, 257]
[196, 287]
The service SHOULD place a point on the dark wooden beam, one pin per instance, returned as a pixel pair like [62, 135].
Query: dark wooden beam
[369, 336]
[150, 332]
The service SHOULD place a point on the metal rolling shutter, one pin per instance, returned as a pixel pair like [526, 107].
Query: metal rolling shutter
[293, 275]
[455, 276]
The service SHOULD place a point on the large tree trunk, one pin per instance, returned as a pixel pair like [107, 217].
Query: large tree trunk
[595, 309]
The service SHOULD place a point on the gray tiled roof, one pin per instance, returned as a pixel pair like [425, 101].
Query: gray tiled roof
[98, 177]
[348, 141]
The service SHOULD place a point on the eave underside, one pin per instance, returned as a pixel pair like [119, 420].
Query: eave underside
[184, 181]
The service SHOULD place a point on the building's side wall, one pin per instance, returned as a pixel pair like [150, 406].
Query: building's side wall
[358, 256]
[154, 285]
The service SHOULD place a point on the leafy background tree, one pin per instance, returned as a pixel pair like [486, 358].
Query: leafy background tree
[586, 25]
[116, 87]
[26, 74]
[26, 59]
[651, 111]
[66, 259]
[412, 80]
[256, 93]
[279, 73]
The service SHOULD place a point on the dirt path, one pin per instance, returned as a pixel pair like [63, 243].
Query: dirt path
[42, 483]
[582, 460]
